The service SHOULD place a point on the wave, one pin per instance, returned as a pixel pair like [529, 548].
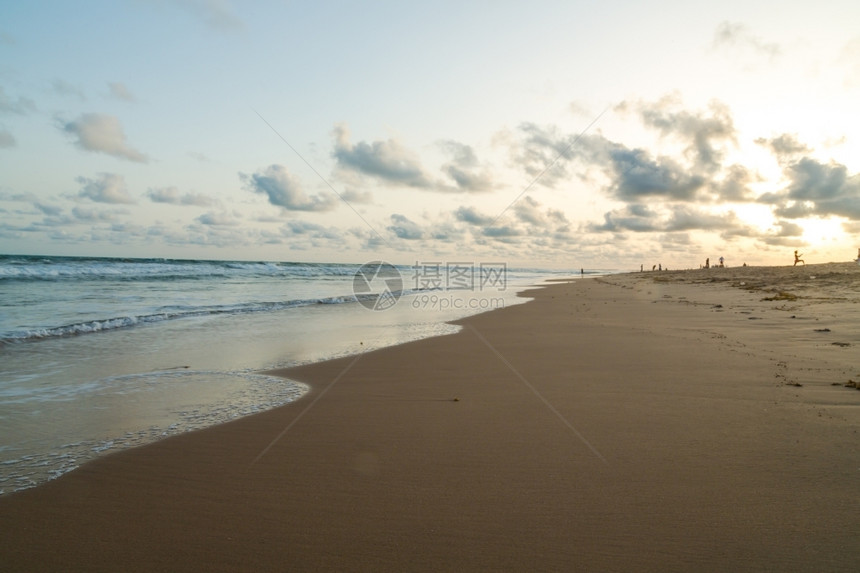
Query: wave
[26, 268]
[173, 313]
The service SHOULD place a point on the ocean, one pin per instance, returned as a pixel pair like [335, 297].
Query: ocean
[100, 354]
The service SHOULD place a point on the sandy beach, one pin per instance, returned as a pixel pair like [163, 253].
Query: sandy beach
[702, 420]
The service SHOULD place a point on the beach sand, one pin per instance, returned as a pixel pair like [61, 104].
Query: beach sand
[672, 421]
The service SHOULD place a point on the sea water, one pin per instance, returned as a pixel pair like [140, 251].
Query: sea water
[98, 354]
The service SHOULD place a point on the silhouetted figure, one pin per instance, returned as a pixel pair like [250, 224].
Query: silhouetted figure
[797, 259]
[721, 262]
[660, 267]
[708, 263]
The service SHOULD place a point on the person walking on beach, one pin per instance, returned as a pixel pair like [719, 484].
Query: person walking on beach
[721, 262]
[797, 259]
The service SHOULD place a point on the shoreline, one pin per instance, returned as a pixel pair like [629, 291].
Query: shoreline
[616, 423]
[202, 371]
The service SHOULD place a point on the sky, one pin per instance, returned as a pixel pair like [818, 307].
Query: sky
[550, 134]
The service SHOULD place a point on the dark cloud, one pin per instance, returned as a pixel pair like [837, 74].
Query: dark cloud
[172, 196]
[404, 228]
[102, 133]
[788, 229]
[106, 188]
[640, 218]
[472, 216]
[387, 161]
[284, 190]
[817, 189]
[504, 231]
[635, 174]
[815, 181]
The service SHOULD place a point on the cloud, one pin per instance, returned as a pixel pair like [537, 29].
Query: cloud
[464, 168]
[6, 139]
[785, 147]
[102, 133]
[818, 189]
[64, 88]
[528, 210]
[217, 219]
[850, 58]
[84, 215]
[635, 174]
[106, 188]
[50, 210]
[20, 106]
[387, 161]
[472, 216]
[795, 209]
[358, 197]
[543, 153]
[737, 35]
[640, 218]
[284, 190]
[119, 91]
[734, 186]
[404, 228]
[217, 14]
[788, 229]
[311, 230]
[503, 232]
[701, 132]
[199, 157]
[814, 188]
[172, 196]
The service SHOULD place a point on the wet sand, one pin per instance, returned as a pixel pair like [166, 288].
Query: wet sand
[701, 420]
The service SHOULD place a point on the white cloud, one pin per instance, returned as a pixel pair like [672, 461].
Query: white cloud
[6, 139]
[217, 14]
[172, 196]
[106, 188]
[737, 35]
[119, 91]
[19, 106]
[284, 190]
[102, 133]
